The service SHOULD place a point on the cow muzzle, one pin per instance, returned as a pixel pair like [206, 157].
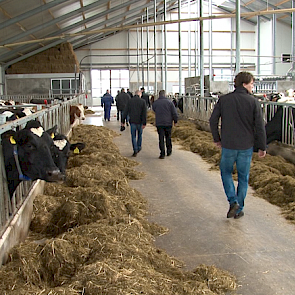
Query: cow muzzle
[55, 176]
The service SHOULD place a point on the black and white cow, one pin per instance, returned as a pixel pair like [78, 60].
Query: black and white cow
[13, 114]
[61, 151]
[28, 155]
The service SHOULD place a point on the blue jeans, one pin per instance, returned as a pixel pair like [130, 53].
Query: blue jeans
[242, 158]
[136, 136]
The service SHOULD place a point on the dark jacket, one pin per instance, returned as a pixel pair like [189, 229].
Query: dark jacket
[121, 101]
[241, 121]
[130, 94]
[146, 98]
[107, 100]
[136, 109]
[165, 112]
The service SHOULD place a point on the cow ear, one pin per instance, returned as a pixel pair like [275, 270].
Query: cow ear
[22, 136]
[77, 147]
[7, 134]
[52, 131]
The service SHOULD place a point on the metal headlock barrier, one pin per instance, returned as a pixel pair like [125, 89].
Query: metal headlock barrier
[201, 108]
[54, 114]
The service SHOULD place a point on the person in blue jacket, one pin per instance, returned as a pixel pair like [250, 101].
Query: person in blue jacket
[106, 102]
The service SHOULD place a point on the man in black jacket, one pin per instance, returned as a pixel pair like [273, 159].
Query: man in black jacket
[136, 109]
[145, 97]
[121, 101]
[166, 114]
[241, 122]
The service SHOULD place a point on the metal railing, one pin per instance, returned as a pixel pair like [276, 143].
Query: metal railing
[58, 114]
[201, 108]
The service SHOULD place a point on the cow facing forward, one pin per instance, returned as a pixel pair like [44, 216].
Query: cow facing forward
[28, 155]
[76, 114]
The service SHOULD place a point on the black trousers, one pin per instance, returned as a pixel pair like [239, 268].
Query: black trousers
[165, 137]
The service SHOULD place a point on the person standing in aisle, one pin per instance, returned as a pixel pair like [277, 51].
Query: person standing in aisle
[122, 100]
[145, 97]
[136, 109]
[129, 93]
[241, 122]
[106, 102]
[166, 114]
[118, 112]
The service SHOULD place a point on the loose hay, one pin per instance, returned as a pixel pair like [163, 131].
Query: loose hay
[90, 235]
[272, 177]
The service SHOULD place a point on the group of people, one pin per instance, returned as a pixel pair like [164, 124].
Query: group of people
[241, 121]
[136, 112]
[121, 100]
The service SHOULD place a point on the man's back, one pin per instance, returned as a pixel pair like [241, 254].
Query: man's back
[146, 98]
[165, 112]
[136, 109]
[240, 116]
[122, 100]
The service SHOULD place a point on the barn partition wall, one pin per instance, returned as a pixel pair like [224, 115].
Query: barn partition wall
[139, 54]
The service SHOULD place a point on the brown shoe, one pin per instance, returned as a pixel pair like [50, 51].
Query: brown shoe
[233, 208]
[239, 215]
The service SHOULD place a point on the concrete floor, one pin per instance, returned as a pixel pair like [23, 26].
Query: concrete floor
[187, 198]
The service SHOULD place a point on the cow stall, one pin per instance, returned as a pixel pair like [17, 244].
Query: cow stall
[15, 210]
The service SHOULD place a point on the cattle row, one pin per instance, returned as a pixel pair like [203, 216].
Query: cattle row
[33, 153]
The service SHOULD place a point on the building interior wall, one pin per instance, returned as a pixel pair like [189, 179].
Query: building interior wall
[134, 51]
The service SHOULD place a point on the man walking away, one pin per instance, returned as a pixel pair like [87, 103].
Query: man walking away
[166, 114]
[129, 93]
[118, 112]
[106, 103]
[241, 122]
[145, 97]
[122, 100]
[136, 109]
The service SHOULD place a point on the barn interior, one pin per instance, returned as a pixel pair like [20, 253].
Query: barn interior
[68, 52]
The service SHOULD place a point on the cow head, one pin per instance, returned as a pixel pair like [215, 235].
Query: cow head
[31, 147]
[62, 148]
[76, 112]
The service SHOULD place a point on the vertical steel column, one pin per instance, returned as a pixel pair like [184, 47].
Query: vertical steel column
[147, 52]
[201, 50]
[179, 48]
[142, 62]
[274, 24]
[90, 74]
[128, 44]
[137, 56]
[189, 40]
[165, 43]
[197, 56]
[155, 46]
[210, 43]
[238, 36]
[258, 70]
[232, 68]
[162, 56]
[293, 39]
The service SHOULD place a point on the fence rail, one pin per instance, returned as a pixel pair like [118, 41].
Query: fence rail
[201, 108]
[58, 114]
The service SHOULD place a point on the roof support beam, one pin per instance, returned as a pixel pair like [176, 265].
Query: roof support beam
[31, 13]
[54, 21]
[74, 26]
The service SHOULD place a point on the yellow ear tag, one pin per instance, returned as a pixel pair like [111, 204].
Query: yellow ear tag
[76, 151]
[52, 135]
[12, 140]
